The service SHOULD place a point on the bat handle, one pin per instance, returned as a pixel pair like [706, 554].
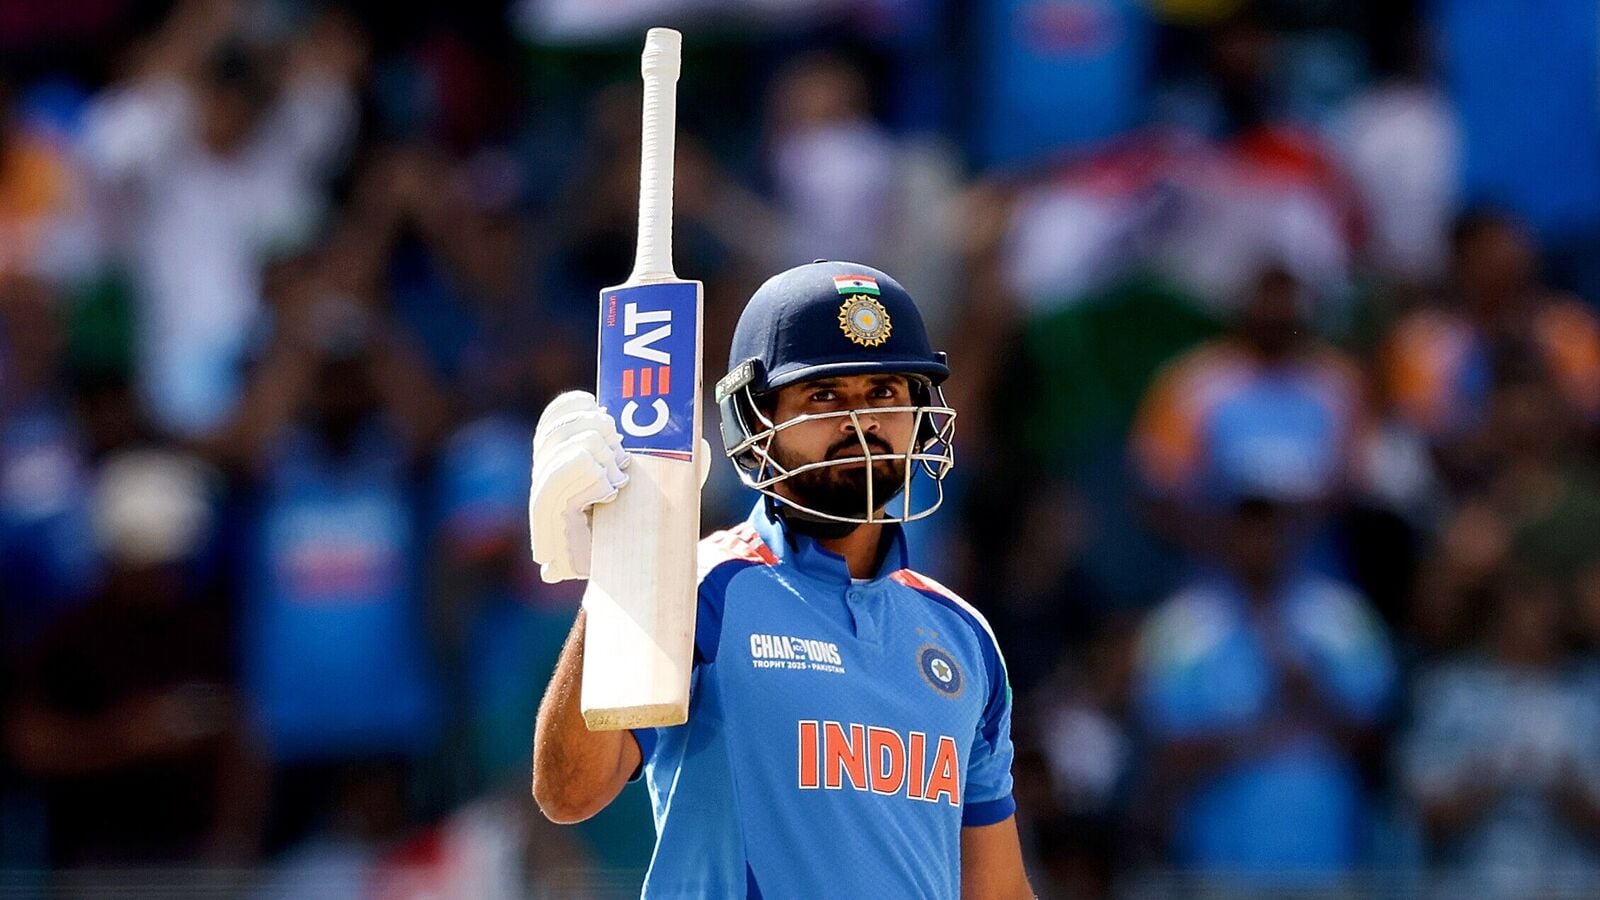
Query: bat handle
[660, 64]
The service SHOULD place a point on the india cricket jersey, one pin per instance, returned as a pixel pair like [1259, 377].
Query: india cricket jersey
[841, 731]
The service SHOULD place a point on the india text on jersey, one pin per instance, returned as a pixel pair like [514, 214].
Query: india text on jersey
[832, 755]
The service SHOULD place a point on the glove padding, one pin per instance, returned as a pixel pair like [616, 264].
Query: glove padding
[578, 461]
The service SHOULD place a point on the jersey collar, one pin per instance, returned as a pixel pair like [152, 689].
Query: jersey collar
[810, 558]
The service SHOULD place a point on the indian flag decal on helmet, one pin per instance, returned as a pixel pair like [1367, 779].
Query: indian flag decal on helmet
[855, 284]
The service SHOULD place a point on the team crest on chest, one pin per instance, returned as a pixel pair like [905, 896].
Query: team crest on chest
[939, 669]
[864, 320]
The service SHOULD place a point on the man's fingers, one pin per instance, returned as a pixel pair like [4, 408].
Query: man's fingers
[565, 404]
[569, 478]
[577, 423]
[567, 473]
[578, 461]
[598, 448]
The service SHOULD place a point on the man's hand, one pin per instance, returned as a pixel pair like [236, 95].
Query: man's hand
[578, 461]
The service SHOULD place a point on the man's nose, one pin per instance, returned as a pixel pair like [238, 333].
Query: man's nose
[868, 423]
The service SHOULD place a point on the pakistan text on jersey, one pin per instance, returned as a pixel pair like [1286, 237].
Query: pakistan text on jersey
[782, 651]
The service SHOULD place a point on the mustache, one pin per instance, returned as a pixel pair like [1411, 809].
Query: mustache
[874, 444]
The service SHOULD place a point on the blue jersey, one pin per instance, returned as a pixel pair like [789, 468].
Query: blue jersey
[334, 656]
[841, 732]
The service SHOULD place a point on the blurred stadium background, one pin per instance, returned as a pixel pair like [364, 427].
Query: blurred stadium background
[1276, 353]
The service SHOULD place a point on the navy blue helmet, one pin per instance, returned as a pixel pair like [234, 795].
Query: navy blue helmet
[827, 319]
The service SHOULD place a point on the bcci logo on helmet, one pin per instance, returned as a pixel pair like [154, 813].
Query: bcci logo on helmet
[864, 320]
[939, 670]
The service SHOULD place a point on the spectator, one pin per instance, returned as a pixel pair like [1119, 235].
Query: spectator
[42, 200]
[1536, 503]
[1259, 689]
[1224, 80]
[128, 708]
[1267, 406]
[338, 420]
[508, 626]
[1077, 769]
[1502, 762]
[1401, 143]
[214, 168]
[1440, 363]
[1522, 81]
[47, 559]
[457, 258]
[834, 169]
[1548, 488]
[1059, 77]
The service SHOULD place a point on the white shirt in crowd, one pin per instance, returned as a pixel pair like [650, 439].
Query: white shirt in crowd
[197, 227]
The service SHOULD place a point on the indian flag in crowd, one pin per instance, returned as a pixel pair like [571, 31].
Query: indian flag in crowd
[856, 284]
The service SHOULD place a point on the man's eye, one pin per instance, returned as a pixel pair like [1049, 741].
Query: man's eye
[823, 396]
[884, 392]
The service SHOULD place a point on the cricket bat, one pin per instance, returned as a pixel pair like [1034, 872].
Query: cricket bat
[640, 600]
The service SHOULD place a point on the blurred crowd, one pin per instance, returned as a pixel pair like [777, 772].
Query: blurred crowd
[1276, 350]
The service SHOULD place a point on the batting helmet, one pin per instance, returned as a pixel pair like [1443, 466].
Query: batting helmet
[829, 319]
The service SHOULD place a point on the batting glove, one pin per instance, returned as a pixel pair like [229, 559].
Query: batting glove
[578, 461]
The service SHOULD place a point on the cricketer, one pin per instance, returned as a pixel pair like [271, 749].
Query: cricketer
[849, 719]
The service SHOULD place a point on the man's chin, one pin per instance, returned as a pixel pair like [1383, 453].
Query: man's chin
[845, 496]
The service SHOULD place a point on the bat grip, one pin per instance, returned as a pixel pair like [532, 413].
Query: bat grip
[660, 63]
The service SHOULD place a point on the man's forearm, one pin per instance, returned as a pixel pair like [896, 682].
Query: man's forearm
[576, 772]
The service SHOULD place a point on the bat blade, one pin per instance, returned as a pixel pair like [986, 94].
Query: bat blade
[640, 599]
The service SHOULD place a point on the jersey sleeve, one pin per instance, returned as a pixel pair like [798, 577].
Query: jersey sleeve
[988, 796]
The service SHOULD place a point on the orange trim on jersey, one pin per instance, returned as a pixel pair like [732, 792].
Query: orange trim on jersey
[739, 542]
[922, 583]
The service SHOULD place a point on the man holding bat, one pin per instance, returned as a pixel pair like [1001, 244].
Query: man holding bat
[848, 728]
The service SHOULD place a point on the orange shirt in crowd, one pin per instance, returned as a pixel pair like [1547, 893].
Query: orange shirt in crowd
[1220, 421]
[1439, 372]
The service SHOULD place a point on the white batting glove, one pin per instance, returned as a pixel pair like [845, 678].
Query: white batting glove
[578, 461]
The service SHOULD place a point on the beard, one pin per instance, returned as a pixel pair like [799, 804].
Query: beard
[842, 490]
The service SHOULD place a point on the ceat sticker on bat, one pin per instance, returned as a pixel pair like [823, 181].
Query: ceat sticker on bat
[647, 367]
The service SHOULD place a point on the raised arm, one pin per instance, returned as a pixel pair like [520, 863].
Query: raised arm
[577, 462]
[316, 113]
[576, 772]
